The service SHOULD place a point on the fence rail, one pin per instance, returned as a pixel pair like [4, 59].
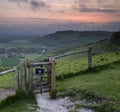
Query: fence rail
[70, 53]
[89, 50]
[7, 71]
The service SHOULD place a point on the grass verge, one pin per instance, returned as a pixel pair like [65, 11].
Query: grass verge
[20, 102]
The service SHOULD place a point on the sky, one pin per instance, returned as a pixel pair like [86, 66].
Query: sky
[47, 16]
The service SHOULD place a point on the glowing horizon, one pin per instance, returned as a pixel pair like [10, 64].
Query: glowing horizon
[64, 13]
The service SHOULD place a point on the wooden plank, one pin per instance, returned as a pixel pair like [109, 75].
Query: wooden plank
[42, 83]
[7, 71]
[53, 75]
[70, 53]
[39, 64]
[30, 74]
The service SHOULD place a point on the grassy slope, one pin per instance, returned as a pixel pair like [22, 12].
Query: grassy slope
[75, 65]
[103, 46]
[71, 38]
[102, 81]
[20, 106]
[20, 102]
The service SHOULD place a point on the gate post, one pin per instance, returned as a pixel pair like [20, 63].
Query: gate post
[53, 75]
[30, 77]
[23, 75]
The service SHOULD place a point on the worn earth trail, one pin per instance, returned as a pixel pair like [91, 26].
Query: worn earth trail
[59, 105]
[5, 93]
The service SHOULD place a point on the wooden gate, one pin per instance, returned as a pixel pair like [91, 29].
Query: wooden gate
[41, 76]
[38, 77]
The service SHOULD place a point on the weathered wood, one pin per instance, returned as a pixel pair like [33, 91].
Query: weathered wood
[53, 75]
[90, 58]
[70, 53]
[39, 64]
[30, 78]
[7, 71]
[16, 78]
[23, 76]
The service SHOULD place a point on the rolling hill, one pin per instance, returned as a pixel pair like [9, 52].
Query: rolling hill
[70, 39]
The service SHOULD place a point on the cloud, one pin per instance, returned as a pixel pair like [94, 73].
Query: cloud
[96, 6]
[19, 1]
[33, 4]
[84, 8]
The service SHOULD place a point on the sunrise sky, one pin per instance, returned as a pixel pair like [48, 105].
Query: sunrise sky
[46, 16]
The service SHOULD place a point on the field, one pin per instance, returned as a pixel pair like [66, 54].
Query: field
[101, 82]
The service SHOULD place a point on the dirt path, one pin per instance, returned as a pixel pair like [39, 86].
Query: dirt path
[59, 105]
[6, 92]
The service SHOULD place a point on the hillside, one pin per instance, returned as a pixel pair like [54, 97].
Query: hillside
[71, 38]
[106, 45]
[8, 38]
[115, 39]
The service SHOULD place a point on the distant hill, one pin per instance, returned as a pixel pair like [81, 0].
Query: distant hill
[9, 38]
[71, 38]
[106, 45]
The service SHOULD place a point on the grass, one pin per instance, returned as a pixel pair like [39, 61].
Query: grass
[32, 56]
[105, 83]
[20, 102]
[73, 65]
[7, 81]
[100, 84]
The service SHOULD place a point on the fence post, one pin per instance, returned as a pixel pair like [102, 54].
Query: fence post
[90, 58]
[16, 78]
[53, 75]
[30, 74]
[23, 75]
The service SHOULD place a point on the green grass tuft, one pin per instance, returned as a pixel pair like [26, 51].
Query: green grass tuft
[19, 96]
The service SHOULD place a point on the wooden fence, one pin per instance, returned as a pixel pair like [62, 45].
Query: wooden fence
[27, 69]
[25, 79]
[89, 51]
